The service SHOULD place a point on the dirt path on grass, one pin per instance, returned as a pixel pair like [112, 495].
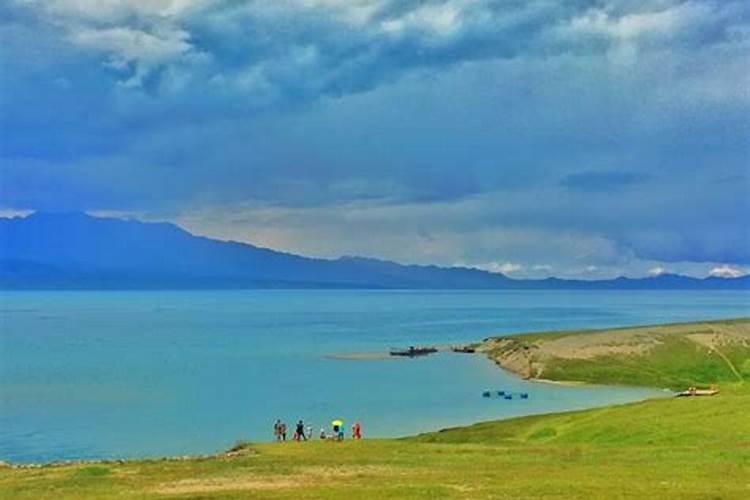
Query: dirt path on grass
[304, 477]
[714, 348]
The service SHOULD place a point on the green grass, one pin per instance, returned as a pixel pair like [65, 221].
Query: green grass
[692, 448]
[720, 420]
[676, 363]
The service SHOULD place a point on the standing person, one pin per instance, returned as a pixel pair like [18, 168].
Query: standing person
[277, 430]
[356, 431]
[338, 429]
[309, 433]
[300, 431]
[282, 431]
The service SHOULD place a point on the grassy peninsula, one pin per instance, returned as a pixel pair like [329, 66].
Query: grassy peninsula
[675, 355]
[668, 448]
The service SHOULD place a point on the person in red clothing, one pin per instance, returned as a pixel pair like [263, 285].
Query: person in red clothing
[356, 431]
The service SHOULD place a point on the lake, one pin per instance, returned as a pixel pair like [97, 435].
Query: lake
[148, 373]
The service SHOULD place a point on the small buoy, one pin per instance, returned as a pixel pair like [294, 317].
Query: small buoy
[524, 395]
[501, 393]
[486, 394]
[508, 396]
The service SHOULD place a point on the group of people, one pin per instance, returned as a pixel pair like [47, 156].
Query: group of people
[303, 433]
[280, 431]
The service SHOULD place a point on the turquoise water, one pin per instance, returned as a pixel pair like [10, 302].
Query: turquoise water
[124, 374]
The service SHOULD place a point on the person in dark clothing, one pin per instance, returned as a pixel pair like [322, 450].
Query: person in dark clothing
[300, 431]
[277, 430]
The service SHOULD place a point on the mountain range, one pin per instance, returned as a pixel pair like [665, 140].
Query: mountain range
[79, 251]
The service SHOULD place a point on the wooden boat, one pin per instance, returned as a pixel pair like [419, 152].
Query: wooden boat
[413, 351]
[464, 349]
[697, 392]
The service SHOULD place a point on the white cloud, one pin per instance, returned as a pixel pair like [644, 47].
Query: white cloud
[10, 213]
[360, 36]
[501, 267]
[542, 268]
[727, 271]
[135, 36]
[639, 25]
[111, 11]
[356, 12]
[126, 46]
[438, 19]
[657, 271]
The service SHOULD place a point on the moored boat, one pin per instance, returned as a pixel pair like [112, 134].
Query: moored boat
[412, 351]
[464, 349]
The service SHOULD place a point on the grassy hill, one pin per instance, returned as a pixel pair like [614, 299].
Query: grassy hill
[669, 448]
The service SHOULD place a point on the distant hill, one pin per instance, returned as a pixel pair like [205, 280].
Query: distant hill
[78, 251]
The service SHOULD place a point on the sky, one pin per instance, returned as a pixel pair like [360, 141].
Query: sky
[575, 138]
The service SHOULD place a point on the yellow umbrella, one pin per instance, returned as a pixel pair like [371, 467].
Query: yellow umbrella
[338, 422]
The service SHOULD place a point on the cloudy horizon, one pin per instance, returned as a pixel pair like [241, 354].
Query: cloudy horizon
[585, 139]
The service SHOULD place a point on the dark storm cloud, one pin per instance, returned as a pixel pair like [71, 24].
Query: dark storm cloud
[615, 121]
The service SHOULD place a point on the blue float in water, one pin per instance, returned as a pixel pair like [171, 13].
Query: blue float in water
[501, 393]
[524, 395]
[486, 394]
[508, 396]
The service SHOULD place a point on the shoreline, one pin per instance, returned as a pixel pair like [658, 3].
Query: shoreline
[385, 356]
[227, 454]
[505, 359]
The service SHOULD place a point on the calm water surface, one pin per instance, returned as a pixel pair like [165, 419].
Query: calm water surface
[123, 374]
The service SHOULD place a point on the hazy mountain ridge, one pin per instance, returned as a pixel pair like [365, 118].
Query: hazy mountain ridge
[77, 251]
